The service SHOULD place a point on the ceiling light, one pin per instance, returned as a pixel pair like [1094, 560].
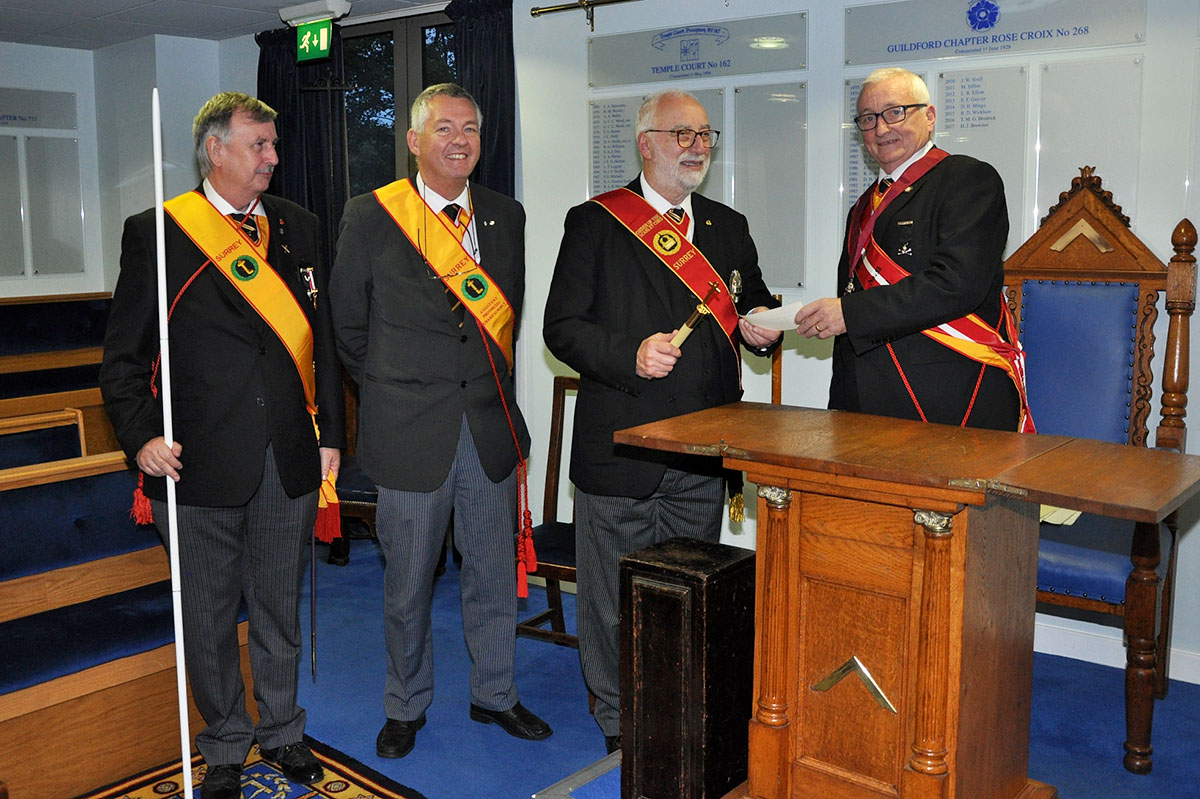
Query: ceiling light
[311, 12]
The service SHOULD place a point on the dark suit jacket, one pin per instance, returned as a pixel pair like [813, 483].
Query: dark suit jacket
[234, 387]
[416, 370]
[609, 292]
[948, 230]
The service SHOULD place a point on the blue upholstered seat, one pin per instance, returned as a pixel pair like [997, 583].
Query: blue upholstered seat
[47, 327]
[38, 446]
[1090, 558]
[555, 543]
[46, 527]
[69, 639]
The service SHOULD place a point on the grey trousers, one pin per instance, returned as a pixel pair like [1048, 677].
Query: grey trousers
[411, 526]
[257, 551]
[607, 528]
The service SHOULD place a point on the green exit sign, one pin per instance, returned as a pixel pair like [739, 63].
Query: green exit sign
[313, 39]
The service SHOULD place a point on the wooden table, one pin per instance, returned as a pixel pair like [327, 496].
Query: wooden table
[895, 592]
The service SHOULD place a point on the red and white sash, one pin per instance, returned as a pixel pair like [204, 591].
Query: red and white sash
[970, 335]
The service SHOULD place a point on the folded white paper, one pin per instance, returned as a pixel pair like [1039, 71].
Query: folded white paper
[776, 318]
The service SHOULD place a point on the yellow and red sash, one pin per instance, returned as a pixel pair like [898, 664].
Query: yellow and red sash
[244, 264]
[441, 245]
[664, 238]
[969, 336]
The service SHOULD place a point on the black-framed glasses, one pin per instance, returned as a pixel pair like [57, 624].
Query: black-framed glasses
[686, 136]
[894, 115]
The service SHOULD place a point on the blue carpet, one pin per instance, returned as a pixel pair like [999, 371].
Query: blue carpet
[1076, 735]
[454, 757]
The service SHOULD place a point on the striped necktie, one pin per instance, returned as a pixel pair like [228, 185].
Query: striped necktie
[249, 225]
[452, 211]
[880, 191]
[678, 216]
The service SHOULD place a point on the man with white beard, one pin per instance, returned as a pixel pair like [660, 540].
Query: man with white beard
[634, 265]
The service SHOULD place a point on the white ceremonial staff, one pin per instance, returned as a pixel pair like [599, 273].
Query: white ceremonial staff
[185, 737]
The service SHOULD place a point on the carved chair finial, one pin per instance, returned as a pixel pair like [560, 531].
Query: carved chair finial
[1090, 181]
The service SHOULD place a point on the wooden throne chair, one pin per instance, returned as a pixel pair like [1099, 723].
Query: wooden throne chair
[1084, 291]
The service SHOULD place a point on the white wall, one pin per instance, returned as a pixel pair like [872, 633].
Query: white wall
[553, 94]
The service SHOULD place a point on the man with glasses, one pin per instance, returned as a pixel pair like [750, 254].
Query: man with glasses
[921, 324]
[426, 289]
[635, 264]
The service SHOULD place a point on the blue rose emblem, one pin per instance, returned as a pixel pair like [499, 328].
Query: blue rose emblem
[983, 15]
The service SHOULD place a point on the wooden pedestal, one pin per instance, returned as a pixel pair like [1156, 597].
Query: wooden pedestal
[895, 590]
[896, 643]
[687, 636]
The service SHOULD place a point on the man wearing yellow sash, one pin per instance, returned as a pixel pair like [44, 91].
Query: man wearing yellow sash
[921, 324]
[633, 266]
[254, 376]
[427, 284]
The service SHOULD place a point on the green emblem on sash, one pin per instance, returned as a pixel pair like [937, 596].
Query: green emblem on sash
[244, 267]
[475, 288]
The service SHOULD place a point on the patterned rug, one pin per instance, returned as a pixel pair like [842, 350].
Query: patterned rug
[345, 778]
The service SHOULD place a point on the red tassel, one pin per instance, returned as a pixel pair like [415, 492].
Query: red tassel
[141, 511]
[329, 524]
[522, 581]
[527, 555]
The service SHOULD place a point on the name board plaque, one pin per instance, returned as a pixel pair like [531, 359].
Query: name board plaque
[919, 30]
[33, 108]
[614, 156]
[773, 43]
[983, 113]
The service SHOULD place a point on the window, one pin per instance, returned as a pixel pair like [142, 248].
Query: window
[388, 64]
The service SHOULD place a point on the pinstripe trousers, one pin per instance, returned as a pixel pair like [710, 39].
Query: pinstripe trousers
[608, 528]
[411, 526]
[256, 551]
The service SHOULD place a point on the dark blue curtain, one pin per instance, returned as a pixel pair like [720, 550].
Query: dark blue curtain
[311, 127]
[483, 56]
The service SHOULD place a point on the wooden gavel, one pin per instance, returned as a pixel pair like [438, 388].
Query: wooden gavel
[698, 314]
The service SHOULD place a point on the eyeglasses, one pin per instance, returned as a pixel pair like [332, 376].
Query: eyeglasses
[686, 136]
[892, 116]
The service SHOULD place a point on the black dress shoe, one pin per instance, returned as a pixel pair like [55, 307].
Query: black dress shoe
[339, 551]
[397, 737]
[612, 743]
[222, 781]
[516, 721]
[296, 761]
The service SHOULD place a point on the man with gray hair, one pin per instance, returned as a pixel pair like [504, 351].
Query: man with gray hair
[633, 265]
[258, 424]
[427, 289]
[920, 314]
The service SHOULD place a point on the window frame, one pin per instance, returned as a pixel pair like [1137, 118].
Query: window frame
[407, 52]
